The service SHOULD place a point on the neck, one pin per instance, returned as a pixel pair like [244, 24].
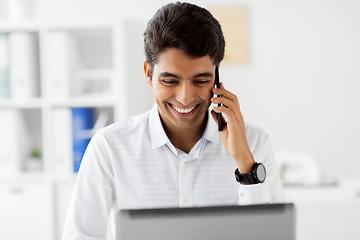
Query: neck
[186, 138]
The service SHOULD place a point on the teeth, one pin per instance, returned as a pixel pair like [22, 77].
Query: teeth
[183, 110]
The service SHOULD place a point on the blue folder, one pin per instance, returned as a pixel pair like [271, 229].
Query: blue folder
[82, 122]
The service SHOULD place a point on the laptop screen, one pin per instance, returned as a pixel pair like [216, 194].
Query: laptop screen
[270, 222]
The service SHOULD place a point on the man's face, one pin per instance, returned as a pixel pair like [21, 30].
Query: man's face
[182, 88]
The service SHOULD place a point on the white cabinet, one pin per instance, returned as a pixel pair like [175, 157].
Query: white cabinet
[63, 193]
[84, 64]
[327, 212]
[26, 211]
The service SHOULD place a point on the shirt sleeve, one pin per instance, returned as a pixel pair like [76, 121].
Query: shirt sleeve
[270, 191]
[93, 195]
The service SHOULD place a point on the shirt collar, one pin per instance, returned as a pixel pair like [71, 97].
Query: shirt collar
[211, 130]
[157, 132]
[159, 137]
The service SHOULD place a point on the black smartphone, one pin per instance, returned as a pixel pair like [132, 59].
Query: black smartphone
[217, 85]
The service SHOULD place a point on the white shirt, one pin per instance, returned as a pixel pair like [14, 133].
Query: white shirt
[132, 164]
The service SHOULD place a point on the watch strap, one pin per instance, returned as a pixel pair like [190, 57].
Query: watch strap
[244, 177]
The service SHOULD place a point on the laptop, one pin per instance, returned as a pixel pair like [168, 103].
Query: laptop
[265, 221]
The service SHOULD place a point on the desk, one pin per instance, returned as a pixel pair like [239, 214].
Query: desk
[326, 212]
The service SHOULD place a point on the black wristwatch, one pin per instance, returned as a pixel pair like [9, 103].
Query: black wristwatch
[256, 175]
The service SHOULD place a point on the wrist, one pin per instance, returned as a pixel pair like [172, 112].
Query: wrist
[245, 164]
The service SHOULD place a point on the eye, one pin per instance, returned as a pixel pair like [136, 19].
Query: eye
[169, 82]
[201, 82]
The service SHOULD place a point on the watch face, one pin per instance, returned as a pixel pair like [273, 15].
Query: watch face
[261, 173]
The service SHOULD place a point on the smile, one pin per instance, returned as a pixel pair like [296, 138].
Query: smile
[183, 110]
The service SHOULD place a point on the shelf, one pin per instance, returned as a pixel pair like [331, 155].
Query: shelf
[84, 24]
[37, 178]
[33, 25]
[26, 178]
[321, 193]
[32, 103]
[94, 100]
[89, 101]
[29, 26]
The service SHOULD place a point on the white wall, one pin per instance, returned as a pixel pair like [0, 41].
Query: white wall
[302, 78]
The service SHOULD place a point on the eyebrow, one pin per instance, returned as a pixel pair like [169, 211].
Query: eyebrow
[167, 74]
[205, 74]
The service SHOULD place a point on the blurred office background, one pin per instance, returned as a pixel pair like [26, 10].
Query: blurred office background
[299, 81]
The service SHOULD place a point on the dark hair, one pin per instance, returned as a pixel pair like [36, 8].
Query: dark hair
[187, 27]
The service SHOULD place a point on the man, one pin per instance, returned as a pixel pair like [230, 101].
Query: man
[174, 155]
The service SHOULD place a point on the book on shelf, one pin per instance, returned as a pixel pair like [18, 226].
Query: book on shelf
[62, 144]
[4, 66]
[13, 142]
[24, 65]
[82, 132]
[62, 62]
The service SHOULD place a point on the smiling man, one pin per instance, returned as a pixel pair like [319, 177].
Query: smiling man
[182, 87]
[174, 155]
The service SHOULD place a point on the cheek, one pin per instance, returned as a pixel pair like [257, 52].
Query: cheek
[161, 93]
[207, 93]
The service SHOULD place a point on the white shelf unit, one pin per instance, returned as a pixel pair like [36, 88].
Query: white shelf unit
[80, 64]
[84, 64]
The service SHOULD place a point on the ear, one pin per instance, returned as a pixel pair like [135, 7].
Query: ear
[147, 74]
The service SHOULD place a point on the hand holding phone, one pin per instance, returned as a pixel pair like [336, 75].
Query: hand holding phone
[233, 133]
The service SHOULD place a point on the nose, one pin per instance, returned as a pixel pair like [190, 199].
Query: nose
[185, 93]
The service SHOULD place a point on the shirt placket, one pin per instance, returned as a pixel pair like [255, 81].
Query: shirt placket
[186, 181]
[188, 168]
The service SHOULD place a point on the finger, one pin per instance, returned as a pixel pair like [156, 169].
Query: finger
[234, 106]
[222, 85]
[225, 101]
[215, 117]
[224, 110]
[225, 93]
[232, 117]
